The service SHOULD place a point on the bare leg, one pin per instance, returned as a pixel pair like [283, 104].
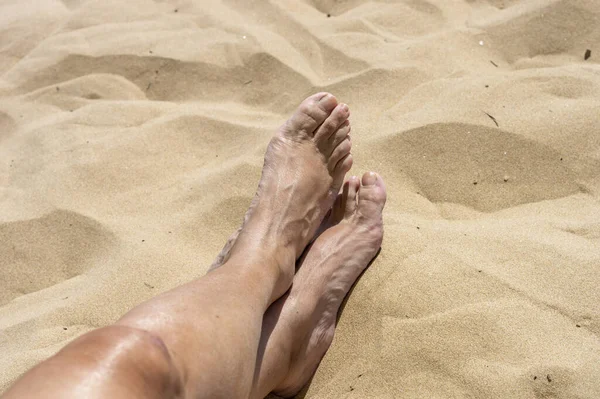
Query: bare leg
[298, 328]
[201, 339]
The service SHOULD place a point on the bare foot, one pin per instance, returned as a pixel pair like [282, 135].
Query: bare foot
[304, 168]
[298, 328]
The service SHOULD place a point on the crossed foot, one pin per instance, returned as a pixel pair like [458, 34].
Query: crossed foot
[303, 173]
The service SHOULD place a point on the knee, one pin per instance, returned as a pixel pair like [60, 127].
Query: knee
[134, 355]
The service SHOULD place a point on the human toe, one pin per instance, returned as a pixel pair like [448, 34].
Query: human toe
[372, 195]
[351, 188]
[339, 153]
[311, 114]
[338, 116]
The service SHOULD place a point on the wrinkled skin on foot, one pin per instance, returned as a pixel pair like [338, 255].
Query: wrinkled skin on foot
[304, 168]
[299, 328]
[331, 266]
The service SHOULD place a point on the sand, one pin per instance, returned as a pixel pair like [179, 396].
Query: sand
[131, 142]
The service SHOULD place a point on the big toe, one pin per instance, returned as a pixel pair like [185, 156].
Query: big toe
[311, 114]
[372, 195]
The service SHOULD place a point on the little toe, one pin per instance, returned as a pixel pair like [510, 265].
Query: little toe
[311, 114]
[337, 117]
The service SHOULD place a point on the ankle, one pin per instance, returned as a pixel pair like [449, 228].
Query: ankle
[264, 268]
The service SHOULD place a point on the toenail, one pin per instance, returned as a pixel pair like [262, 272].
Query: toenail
[325, 98]
[345, 107]
[369, 179]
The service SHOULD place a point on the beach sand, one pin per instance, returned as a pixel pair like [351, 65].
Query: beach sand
[131, 142]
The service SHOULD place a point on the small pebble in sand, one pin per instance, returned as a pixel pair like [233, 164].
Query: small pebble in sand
[481, 42]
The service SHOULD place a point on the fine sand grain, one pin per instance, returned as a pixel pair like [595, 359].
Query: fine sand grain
[131, 142]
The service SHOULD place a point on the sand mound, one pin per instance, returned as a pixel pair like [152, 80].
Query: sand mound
[481, 167]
